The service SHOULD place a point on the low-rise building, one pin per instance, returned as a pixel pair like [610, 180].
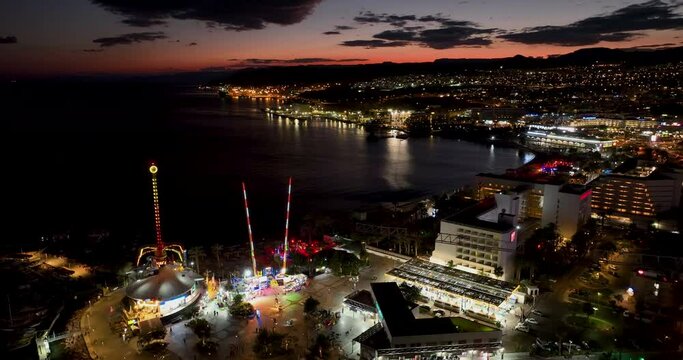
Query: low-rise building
[564, 141]
[589, 121]
[400, 335]
[460, 291]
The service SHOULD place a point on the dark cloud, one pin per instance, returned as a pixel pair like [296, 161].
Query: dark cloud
[127, 39]
[458, 23]
[370, 17]
[620, 25]
[229, 14]
[433, 18]
[142, 22]
[92, 50]
[400, 35]
[8, 40]
[655, 46]
[338, 29]
[439, 38]
[400, 20]
[455, 36]
[445, 21]
[371, 44]
[294, 61]
[192, 44]
[435, 31]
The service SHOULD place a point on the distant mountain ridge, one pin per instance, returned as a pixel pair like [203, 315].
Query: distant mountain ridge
[304, 74]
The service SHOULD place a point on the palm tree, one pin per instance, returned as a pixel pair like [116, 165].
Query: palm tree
[417, 242]
[398, 242]
[216, 250]
[197, 253]
[498, 271]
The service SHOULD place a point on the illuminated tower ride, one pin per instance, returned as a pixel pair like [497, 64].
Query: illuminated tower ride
[159, 249]
[159, 254]
[286, 249]
[251, 237]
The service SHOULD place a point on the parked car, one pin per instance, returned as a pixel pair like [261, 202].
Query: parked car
[536, 312]
[626, 314]
[531, 321]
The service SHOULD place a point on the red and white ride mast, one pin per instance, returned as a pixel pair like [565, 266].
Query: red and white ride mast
[251, 237]
[286, 248]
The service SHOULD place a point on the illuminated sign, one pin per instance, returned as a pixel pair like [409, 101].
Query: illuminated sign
[586, 194]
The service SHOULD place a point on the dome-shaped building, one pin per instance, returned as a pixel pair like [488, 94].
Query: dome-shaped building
[169, 291]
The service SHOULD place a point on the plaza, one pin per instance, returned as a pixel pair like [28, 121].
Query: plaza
[236, 337]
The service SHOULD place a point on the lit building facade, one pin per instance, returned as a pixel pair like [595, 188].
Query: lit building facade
[166, 293]
[588, 121]
[566, 141]
[400, 335]
[546, 199]
[484, 238]
[483, 297]
[480, 239]
[636, 194]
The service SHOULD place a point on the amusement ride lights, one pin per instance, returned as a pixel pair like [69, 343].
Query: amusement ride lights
[160, 254]
[286, 249]
[251, 237]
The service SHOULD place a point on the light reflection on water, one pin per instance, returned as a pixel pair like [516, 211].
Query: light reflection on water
[206, 147]
[398, 165]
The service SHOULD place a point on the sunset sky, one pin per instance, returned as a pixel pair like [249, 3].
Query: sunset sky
[44, 37]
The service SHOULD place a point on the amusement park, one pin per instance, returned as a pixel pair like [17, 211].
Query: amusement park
[291, 298]
[166, 288]
[166, 285]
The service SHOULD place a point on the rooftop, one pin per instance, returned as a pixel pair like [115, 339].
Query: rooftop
[525, 175]
[361, 299]
[454, 281]
[395, 311]
[562, 135]
[575, 189]
[167, 284]
[471, 216]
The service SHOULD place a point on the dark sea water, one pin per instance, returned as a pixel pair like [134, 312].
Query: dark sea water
[75, 157]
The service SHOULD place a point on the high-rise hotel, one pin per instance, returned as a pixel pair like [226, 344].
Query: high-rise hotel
[637, 192]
